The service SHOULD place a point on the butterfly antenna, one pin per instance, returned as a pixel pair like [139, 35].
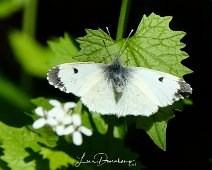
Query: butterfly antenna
[107, 29]
[123, 47]
[105, 47]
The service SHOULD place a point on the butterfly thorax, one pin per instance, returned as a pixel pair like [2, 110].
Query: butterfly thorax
[118, 74]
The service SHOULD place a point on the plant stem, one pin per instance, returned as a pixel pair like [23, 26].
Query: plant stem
[29, 17]
[29, 28]
[123, 19]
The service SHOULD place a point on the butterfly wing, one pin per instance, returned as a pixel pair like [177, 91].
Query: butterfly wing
[85, 80]
[147, 90]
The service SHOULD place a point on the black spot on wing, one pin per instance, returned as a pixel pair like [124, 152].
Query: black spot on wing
[161, 79]
[75, 70]
[54, 79]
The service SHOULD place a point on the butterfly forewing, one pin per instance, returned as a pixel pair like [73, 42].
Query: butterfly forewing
[87, 81]
[165, 87]
[75, 78]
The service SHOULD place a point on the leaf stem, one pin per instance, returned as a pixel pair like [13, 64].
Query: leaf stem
[124, 12]
[29, 17]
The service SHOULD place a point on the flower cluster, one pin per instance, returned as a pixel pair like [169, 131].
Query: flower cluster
[62, 120]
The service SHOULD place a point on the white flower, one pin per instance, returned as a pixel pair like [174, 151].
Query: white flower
[77, 136]
[61, 119]
[42, 121]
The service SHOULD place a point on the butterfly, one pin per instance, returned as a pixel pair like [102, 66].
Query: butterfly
[117, 89]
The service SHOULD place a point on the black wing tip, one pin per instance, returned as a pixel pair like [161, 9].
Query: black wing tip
[54, 79]
[52, 76]
[184, 91]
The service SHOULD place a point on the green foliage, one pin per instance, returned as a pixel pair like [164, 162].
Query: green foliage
[120, 131]
[84, 115]
[43, 102]
[30, 54]
[156, 125]
[99, 122]
[57, 159]
[64, 49]
[93, 47]
[35, 59]
[154, 45]
[8, 7]
[16, 143]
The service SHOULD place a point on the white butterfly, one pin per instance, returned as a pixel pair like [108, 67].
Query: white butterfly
[116, 89]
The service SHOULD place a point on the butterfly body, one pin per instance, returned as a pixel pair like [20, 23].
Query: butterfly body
[117, 89]
[118, 74]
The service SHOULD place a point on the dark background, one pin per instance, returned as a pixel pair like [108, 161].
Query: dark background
[189, 144]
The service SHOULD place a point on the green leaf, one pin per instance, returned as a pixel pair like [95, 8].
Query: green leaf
[57, 159]
[100, 124]
[8, 7]
[120, 131]
[43, 102]
[154, 45]
[187, 101]
[64, 49]
[30, 54]
[116, 126]
[16, 141]
[156, 125]
[84, 114]
[93, 47]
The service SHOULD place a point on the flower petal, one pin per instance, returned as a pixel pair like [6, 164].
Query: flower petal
[68, 130]
[67, 119]
[76, 119]
[39, 123]
[77, 138]
[40, 111]
[85, 131]
[51, 121]
[60, 130]
[56, 112]
[69, 105]
[54, 103]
